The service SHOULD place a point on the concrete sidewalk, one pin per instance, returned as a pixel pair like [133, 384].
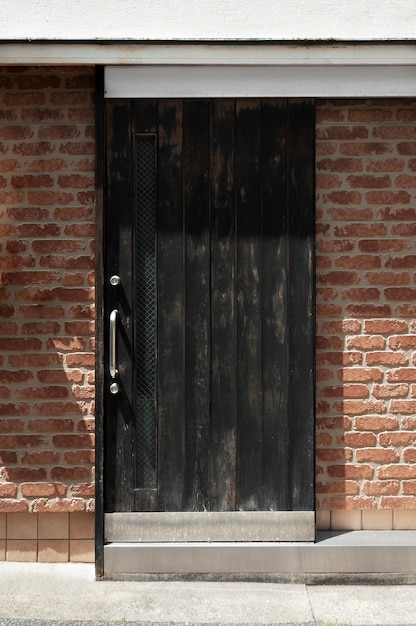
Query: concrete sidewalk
[67, 594]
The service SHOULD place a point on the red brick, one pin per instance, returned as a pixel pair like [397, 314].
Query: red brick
[345, 391]
[24, 474]
[403, 342]
[409, 455]
[400, 293]
[360, 407]
[54, 391]
[8, 490]
[397, 438]
[361, 294]
[363, 149]
[369, 181]
[390, 391]
[369, 310]
[382, 245]
[397, 214]
[402, 375]
[398, 470]
[70, 473]
[409, 487]
[385, 326]
[343, 197]
[43, 489]
[77, 148]
[391, 359]
[340, 165]
[360, 374]
[395, 132]
[351, 213]
[46, 457]
[7, 457]
[334, 454]
[377, 455]
[73, 441]
[339, 486]
[385, 165]
[358, 261]
[13, 506]
[83, 490]
[351, 471]
[375, 423]
[363, 342]
[381, 487]
[357, 440]
[21, 441]
[349, 503]
[76, 457]
[58, 505]
[388, 278]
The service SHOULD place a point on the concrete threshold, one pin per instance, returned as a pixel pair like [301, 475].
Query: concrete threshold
[360, 554]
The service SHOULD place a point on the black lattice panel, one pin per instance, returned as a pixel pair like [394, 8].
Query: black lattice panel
[146, 309]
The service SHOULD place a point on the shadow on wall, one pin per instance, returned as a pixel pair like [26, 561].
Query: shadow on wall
[366, 343]
[47, 309]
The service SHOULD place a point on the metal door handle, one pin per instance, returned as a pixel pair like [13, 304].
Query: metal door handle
[112, 344]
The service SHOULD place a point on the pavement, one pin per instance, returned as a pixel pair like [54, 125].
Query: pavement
[67, 594]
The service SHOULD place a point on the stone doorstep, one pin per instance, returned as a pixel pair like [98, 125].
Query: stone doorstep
[361, 553]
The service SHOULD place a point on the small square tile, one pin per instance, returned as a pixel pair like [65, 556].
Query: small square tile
[2, 525]
[2, 550]
[21, 550]
[377, 520]
[81, 526]
[22, 526]
[53, 526]
[404, 520]
[82, 550]
[53, 550]
[323, 520]
[346, 520]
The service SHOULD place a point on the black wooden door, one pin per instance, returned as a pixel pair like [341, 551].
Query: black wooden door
[209, 225]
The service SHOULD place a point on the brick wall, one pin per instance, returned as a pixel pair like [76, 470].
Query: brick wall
[47, 167]
[366, 306]
[366, 314]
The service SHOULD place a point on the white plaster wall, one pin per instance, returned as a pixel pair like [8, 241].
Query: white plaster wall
[208, 19]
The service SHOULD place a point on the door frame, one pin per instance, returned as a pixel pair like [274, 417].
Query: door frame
[272, 526]
[394, 77]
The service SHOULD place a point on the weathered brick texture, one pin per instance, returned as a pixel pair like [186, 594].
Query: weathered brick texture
[47, 163]
[366, 304]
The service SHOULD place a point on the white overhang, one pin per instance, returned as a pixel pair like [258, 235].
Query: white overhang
[197, 69]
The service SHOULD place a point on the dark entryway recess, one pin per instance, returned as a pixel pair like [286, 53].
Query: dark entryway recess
[210, 226]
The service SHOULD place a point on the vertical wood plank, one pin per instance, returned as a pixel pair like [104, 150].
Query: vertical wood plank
[274, 307]
[120, 436]
[171, 372]
[223, 344]
[249, 297]
[301, 141]
[196, 135]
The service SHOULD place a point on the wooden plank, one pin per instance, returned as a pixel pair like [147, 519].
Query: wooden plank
[301, 142]
[120, 436]
[171, 373]
[249, 314]
[223, 344]
[274, 307]
[196, 129]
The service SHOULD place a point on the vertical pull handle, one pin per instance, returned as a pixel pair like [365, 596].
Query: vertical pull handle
[112, 345]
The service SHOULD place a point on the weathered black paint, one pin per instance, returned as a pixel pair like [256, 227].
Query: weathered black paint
[235, 304]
